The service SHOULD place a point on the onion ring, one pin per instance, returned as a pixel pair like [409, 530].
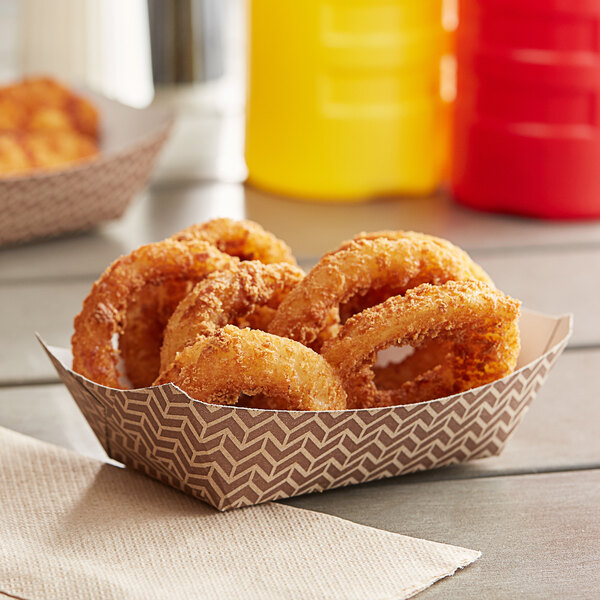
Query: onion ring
[104, 311]
[151, 308]
[477, 272]
[480, 322]
[245, 239]
[361, 266]
[228, 297]
[219, 368]
[376, 296]
[428, 355]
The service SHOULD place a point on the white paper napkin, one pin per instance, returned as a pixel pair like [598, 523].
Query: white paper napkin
[73, 527]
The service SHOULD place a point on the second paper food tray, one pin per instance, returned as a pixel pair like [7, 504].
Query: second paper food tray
[78, 196]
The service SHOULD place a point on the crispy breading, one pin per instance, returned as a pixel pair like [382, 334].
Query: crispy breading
[227, 297]
[480, 322]
[389, 266]
[219, 368]
[105, 308]
[151, 307]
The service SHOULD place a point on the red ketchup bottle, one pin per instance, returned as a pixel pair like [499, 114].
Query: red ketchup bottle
[527, 112]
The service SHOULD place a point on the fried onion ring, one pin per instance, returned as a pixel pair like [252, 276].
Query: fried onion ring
[151, 308]
[219, 368]
[480, 322]
[104, 311]
[245, 239]
[429, 354]
[477, 273]
[366, 266]
[228, 297]
[376, 296]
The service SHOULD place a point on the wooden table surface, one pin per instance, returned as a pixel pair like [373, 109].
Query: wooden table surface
[534, 512]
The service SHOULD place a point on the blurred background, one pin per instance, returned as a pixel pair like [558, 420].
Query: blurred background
[106, 44]
[195, 64]
[492, 104]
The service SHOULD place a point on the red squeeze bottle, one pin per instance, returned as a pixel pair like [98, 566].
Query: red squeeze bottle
[527, 112]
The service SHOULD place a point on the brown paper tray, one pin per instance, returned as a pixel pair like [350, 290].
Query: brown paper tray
[232, 457]
[77, 197]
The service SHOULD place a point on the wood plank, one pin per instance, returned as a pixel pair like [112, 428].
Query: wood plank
[26, 308]
[538, 533]
[559, 432]
[554, 282]
[48, 413]
[310, 228]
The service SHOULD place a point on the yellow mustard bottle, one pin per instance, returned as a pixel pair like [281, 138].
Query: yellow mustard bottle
[344, 98]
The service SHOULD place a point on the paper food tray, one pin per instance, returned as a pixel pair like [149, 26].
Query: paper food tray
[79, 196]
[232, 457]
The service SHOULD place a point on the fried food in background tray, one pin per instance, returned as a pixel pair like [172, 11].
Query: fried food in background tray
[44, 125]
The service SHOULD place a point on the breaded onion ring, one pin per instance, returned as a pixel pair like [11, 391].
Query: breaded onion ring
[245, 239]
[429, 354]
[471, 270]
[151, 308]
[227, 297]
[219, 368]
[480, 322]
[477, 272]
[104, 310]
[362, 266]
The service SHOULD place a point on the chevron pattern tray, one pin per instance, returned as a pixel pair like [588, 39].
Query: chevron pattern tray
[232, 457]
[77, 197]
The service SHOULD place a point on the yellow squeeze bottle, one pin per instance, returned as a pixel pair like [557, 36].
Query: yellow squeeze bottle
[344, 98]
